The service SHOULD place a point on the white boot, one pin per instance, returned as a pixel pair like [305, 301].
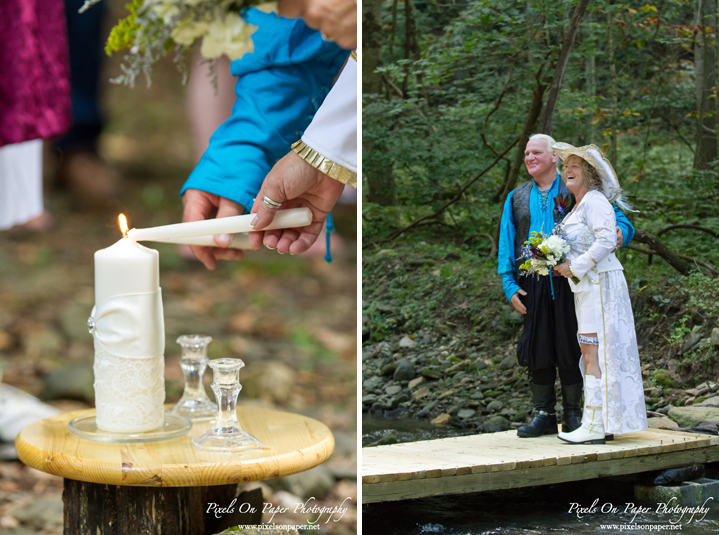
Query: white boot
[592, 429]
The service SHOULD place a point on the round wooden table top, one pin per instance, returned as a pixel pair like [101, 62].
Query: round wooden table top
[291, 443]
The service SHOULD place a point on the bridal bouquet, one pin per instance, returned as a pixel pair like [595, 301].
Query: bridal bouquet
[154, 27]
[543, 252]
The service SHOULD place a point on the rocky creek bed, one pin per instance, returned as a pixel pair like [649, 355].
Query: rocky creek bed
[439, 343]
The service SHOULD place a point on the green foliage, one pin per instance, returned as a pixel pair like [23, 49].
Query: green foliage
[122, 34]
[663, 379]
[302, 340]
[407, 290]
[680, 330]
[703, 296]
[477, 57]
[467, 98]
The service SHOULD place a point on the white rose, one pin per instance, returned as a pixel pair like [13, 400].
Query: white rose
[229, 35]
[558, 247]
[164, 9]
[555, 244]
[186, 33]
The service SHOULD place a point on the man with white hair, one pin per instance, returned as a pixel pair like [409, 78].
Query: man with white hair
[549, 340]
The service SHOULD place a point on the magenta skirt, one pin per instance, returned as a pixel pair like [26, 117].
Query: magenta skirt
[34, 70]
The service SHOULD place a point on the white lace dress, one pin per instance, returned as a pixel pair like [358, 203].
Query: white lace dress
[591, 233]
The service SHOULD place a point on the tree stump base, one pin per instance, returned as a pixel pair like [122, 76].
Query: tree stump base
[97, 509]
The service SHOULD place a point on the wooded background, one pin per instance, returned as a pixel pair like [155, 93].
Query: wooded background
[452, 91]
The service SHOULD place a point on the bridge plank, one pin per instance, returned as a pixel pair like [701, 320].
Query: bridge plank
[502, 460]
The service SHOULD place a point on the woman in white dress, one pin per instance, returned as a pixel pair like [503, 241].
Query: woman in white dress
[613, 388]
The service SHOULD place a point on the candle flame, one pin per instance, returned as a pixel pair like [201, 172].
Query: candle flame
[123, 225]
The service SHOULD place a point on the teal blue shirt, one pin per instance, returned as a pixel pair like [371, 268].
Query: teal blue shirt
[279, 88]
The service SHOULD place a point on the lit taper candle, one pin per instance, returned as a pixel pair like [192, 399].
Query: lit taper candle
[292, 218]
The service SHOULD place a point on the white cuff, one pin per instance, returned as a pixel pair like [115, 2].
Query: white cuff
[333, 131]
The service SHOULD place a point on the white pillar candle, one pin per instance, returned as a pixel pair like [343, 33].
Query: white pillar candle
[129, 387]
[126, 267]
[292, 218]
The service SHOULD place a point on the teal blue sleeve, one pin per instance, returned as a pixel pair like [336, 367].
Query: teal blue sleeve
[280, 87]
[507, 267]
[624, 225]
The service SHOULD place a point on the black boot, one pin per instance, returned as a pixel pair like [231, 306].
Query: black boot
[545, 420]
[572, 405]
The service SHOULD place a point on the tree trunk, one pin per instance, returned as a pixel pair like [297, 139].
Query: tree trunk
[375, 165]
[614, 91]
[394, 30]
[534, 110]
[716, 67]
[705, 65]
[591, 74]
[113, 510]
[411, 46]
[660, 249]
[371, 45]
[556, 84]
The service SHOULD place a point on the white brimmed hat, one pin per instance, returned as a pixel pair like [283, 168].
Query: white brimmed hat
[594, 157]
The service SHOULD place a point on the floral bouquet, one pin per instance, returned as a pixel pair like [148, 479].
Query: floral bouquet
[154, 27]
[543, 252]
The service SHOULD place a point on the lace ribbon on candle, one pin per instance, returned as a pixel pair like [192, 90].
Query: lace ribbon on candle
[129, 367]
[129, 392]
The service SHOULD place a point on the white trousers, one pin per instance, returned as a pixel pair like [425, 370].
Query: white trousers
[20, 183]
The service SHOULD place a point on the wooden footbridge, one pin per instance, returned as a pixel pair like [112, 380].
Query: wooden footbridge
[503, 461]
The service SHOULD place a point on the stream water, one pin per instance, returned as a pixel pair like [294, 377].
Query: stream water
[378, 430]
[610, 506]
[536, 510]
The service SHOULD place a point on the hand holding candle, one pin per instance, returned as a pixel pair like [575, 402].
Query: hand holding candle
[201, 205]
[294, 182]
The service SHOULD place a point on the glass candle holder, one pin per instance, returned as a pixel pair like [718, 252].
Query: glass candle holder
[194, 403]
[226, 435]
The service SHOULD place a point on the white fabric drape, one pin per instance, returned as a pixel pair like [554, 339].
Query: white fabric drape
[20, 183]
[131, 325]
[591, 234]
[333, 131]
[622, 387]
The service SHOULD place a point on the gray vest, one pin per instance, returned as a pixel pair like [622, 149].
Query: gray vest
[522, 217]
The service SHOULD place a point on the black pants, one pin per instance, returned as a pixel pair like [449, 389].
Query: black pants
[547, 376]
[549, 339]
[86, 41]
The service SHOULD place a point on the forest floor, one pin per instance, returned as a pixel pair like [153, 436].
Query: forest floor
[292, 319]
